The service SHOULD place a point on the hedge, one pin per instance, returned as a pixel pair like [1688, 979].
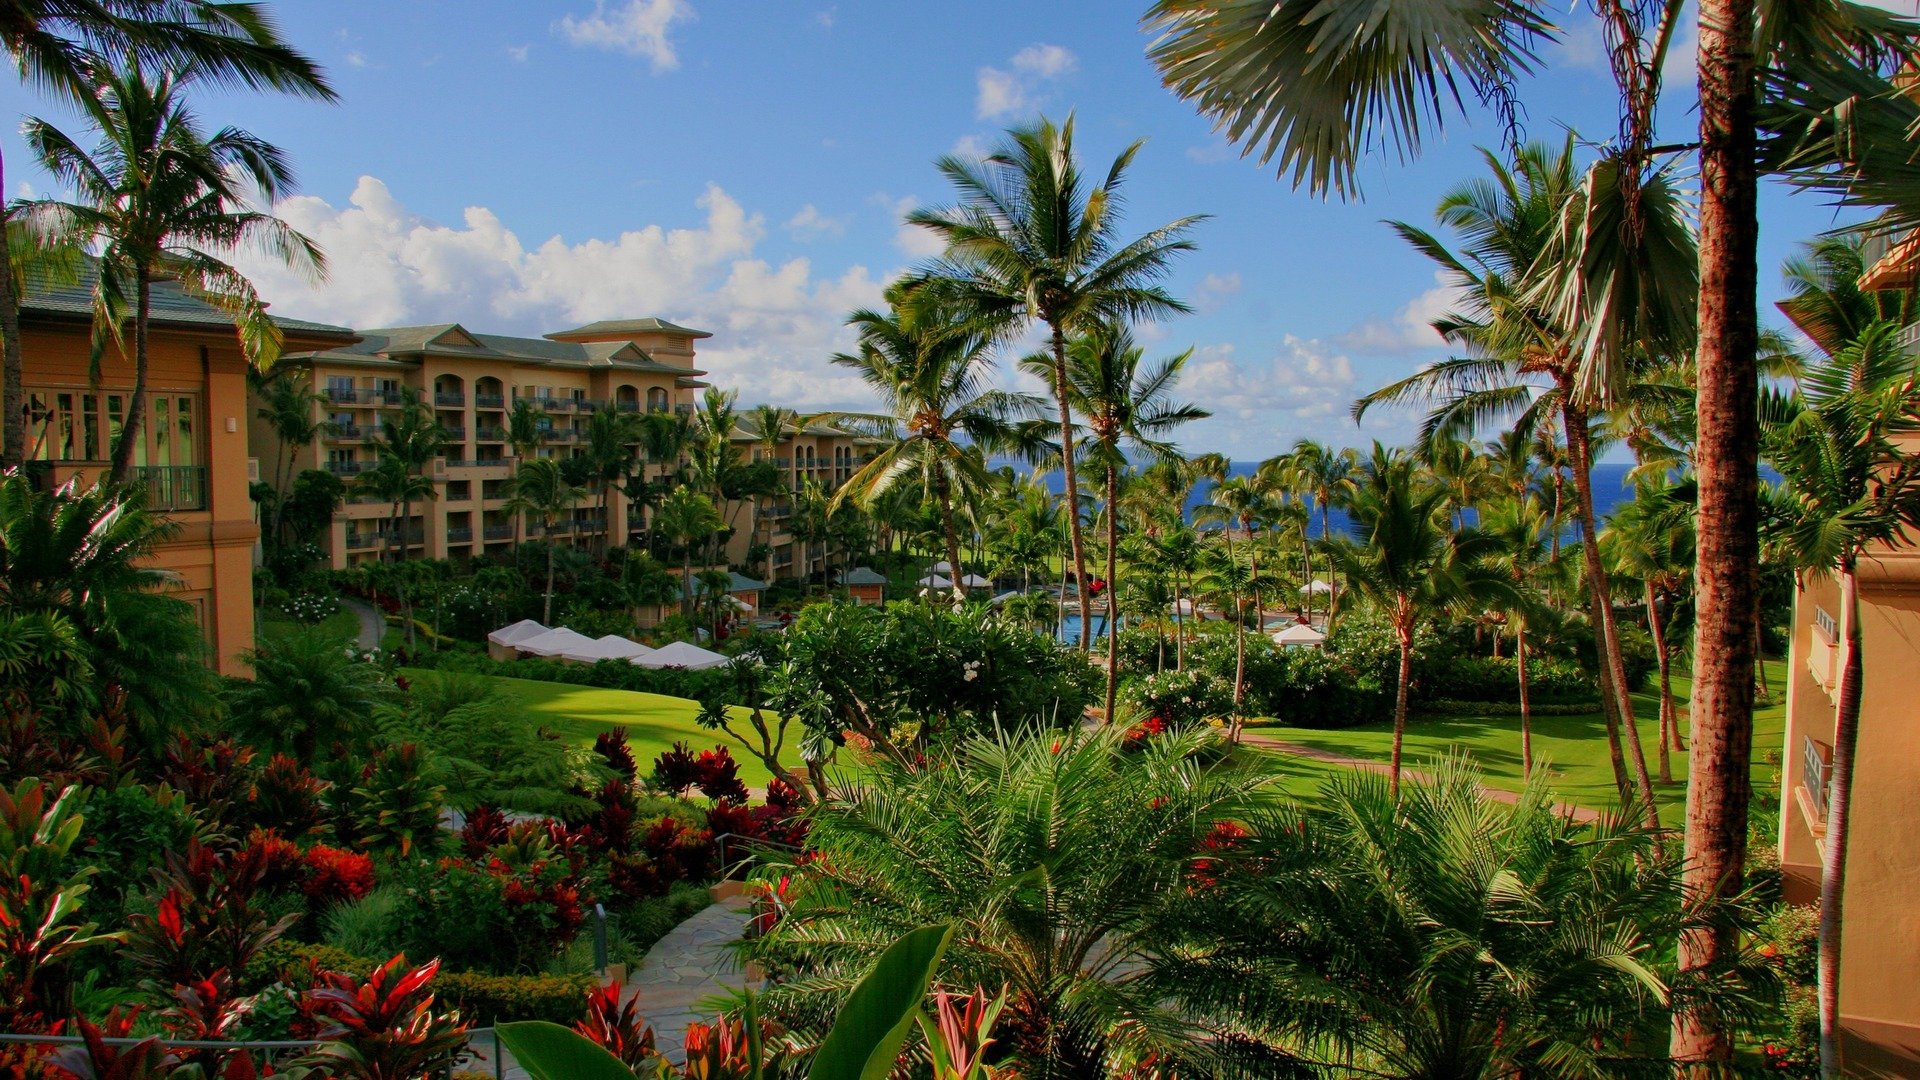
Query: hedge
[606, 675]
[481, 998]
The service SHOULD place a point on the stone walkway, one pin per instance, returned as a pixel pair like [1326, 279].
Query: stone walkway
[372, 626]
[1268, 742]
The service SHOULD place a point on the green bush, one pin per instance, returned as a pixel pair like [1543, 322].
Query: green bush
[646, 922]
[607, 674]
[1487, 679]
[369, 926]
[480, 997]
[1183, 699]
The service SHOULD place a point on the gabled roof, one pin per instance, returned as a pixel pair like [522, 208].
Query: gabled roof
[454, 340]
[743, 583]
[649, 325]
[171, 305]
[861, 575]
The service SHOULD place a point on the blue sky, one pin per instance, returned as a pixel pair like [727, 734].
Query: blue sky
[743, 166]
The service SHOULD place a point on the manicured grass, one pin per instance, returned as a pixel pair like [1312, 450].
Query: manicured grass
[343, 624]
[1573, 748]
[653, 722]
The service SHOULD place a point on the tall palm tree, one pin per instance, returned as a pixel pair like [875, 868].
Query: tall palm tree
[52, 42]
[410, 438]
[1518, 530]
[290, 409]
[1836, 441]
[687, 517]
[1033, 241]
[1244, 500]
[1409, 563]
[611, 435]
[158, 195]
[1320, 475]
[539, 489]
[929, 371]
[772, 425]
[1128, 407]
[1650, 540]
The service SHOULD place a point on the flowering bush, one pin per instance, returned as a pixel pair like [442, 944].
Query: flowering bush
[489, 915]
[310, 607]
[334, 875]
[1183, 699]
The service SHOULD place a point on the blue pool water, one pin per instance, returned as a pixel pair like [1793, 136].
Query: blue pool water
[1070, 627]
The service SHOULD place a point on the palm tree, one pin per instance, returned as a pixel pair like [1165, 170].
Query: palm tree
[158, 195]
[1518, 531]
[307, 694]
[1320, 475]
[1244, 500]
[1409, 563]
[772, 425]
[406, 444]
[1228, 582]
[1836, 442]
[539, 489]
[930, 373]
[1032, 241]
[1074, 852]
[687, 517]
[1127, 407]
[1650, 540]
[609, 450]
[53, 42]
[288, 408]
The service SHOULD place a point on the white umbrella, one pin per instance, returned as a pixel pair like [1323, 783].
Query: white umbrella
[1299, 634]
[517, 632]
[1183, 606]
[681, 654]
[941, 567]
[1316, 586]
[557, 642]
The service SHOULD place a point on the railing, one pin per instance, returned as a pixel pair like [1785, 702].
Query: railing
[475, 463]
[777, 510]
[783, 463]
[627, 406]
[456, 434]
[459, 535]
[554, 404]
[357, 541]
[490, 434]
[1816, 759]
[683, 410]
[489, 401]
[558, 528]
[1909, 337]
[346, 394]
[559, 435]
[587, 404]
[173, 487]
[452, 400]
[783, 558]
[270, 1051]
[497, 532]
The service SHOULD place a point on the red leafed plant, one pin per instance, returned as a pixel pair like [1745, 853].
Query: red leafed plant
[96, 1059]
[207, 918]
[674, 769]
[718, 776]
[385, 1027]
[958, 1035]
[718, 1051]
[613, 749]
[335, 875]
[615, 1025]
[289, 798]
[207, 1010]
[486, 826]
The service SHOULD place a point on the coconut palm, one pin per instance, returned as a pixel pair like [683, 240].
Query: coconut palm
[1518, 532]
[289, 408]
[1074, 850]
[1836, 441]
[930, 372]
[1409, 563]
[1650, 540]
[408, 440]
[1243, 500]
[53, 42]
[609, 450]
[687, 517]
[1129, 409]
[1033, 241]
[1319, 474]
[158, 194]
[540, 490]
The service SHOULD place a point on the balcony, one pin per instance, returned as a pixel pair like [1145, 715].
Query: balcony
[452, 401]
[683, 410]
[490, 435]
[497, 532]
[777, 511]
[360, 541]
[559, 435]
[627, 406]
[1816, 763]
[348, 468]
[489, 401]
[347, 433]
[173, 487]
[460, 535]
[476, 463]
[456, 434]
[587, 405]
[554, 404]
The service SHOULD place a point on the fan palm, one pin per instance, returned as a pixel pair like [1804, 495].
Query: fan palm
[538, 489]
[53, 43]
[1033, 241]
[1836, 442]
[158, 195]
[930, 372]
[1409, 563]
[1128, 407]
[1055, 856]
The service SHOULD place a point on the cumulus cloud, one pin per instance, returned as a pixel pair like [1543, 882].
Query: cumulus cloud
[774, 325]
[1303, 379]
[811, 224]
[911, 240]
[637, 27]
[1411, 327]
[1016, 88]
[518, 53]
[1214, 289]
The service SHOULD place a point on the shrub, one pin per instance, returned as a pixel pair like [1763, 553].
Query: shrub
[1183, 699]
[368, 926]
[310, 607]
[208, 915]
[384, 1026]
[287, 798]
[488, 916]
[480, 998]
[334, 875]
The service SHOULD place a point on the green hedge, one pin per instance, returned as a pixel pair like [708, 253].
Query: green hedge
[606, 675]
[481, 998]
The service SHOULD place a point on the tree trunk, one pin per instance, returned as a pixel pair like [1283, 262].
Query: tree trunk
[13, 390]
[546, 610]
[944, 490]
[1072, 481]
[406, 594]
[1666, 682]
[1759, 655]
[1833, 861]
[1404, 629]
[1726, 459]
[686, 578]
[1526, 704]
[1333, 577]
[137, 408]
[1113, 591]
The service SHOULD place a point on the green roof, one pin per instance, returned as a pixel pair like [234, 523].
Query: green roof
[860, 575]
[742, 583]
[171, 305]
[454, 340]
[648, 325]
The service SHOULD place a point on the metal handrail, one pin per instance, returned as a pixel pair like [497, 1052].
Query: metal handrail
[267, 1048]
[749, 842]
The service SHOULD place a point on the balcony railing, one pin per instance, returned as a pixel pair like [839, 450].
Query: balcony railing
[173, 487]
[559, 435]
[1909, 338]
[554, 404]
[587, 405]
[348, 395]
[348, 468]
[457, 434]
[777, 510]
[497, 532]
[489, 401]
[455, 401]
[627, 406]
[1816, 759]
[461, 535]
[347, 432]
[683, 410]
[490, 434]
[476, 463]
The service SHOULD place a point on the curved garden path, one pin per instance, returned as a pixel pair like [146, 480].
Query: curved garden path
[689, 965]
[373, 627]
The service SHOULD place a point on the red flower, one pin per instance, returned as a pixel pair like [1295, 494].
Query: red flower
[334, 875]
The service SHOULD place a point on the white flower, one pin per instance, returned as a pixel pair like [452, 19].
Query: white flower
[971, 675]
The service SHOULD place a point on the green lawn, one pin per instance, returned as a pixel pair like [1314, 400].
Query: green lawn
[343, 624]
[653, 722]
[1573, 747]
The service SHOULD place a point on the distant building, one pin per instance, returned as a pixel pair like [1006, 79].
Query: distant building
[864, 586]
[192, 455]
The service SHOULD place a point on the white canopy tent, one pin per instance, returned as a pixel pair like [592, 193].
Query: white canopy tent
[941, 567]
[517, 632]
[681, 654]
[1317, 587]
[619, 648]
[559, 641]
[1182, 606]
[975, 581]
[935, 581]
[1299, 634]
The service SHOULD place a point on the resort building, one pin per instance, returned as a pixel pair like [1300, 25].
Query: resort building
[1880, 948]
[192, 456]
[817, 452]
[472, 381]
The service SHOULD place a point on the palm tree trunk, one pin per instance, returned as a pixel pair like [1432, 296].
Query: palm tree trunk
[13, 390]
[1728, 553]
[137, 408]
[1072, 481]
[1113, 589]
[1666, 682]
[1833, 860]
[1759, 655]
[1526, 703]
[686, 578]
[546, 609]
[406, 594]
[944, 491]
[1403, 628]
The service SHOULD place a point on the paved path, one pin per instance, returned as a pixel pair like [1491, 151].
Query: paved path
[1268, 742]
[372, 626]
[689, 965]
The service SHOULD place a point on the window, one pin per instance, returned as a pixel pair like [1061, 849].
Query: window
[459, 490]
[73, 425]
[1824, 620]
[340, 387]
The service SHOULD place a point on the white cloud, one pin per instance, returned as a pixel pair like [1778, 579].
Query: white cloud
[1303, 380]
[637, 27]
[824, 19]
[1001, 92]
[518, 53]
[970, 146]
[774, 325]
[356, 58]
[1214, 289]
[811, 224]
[1411, 327]
[1212, 153]
[911, 240]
